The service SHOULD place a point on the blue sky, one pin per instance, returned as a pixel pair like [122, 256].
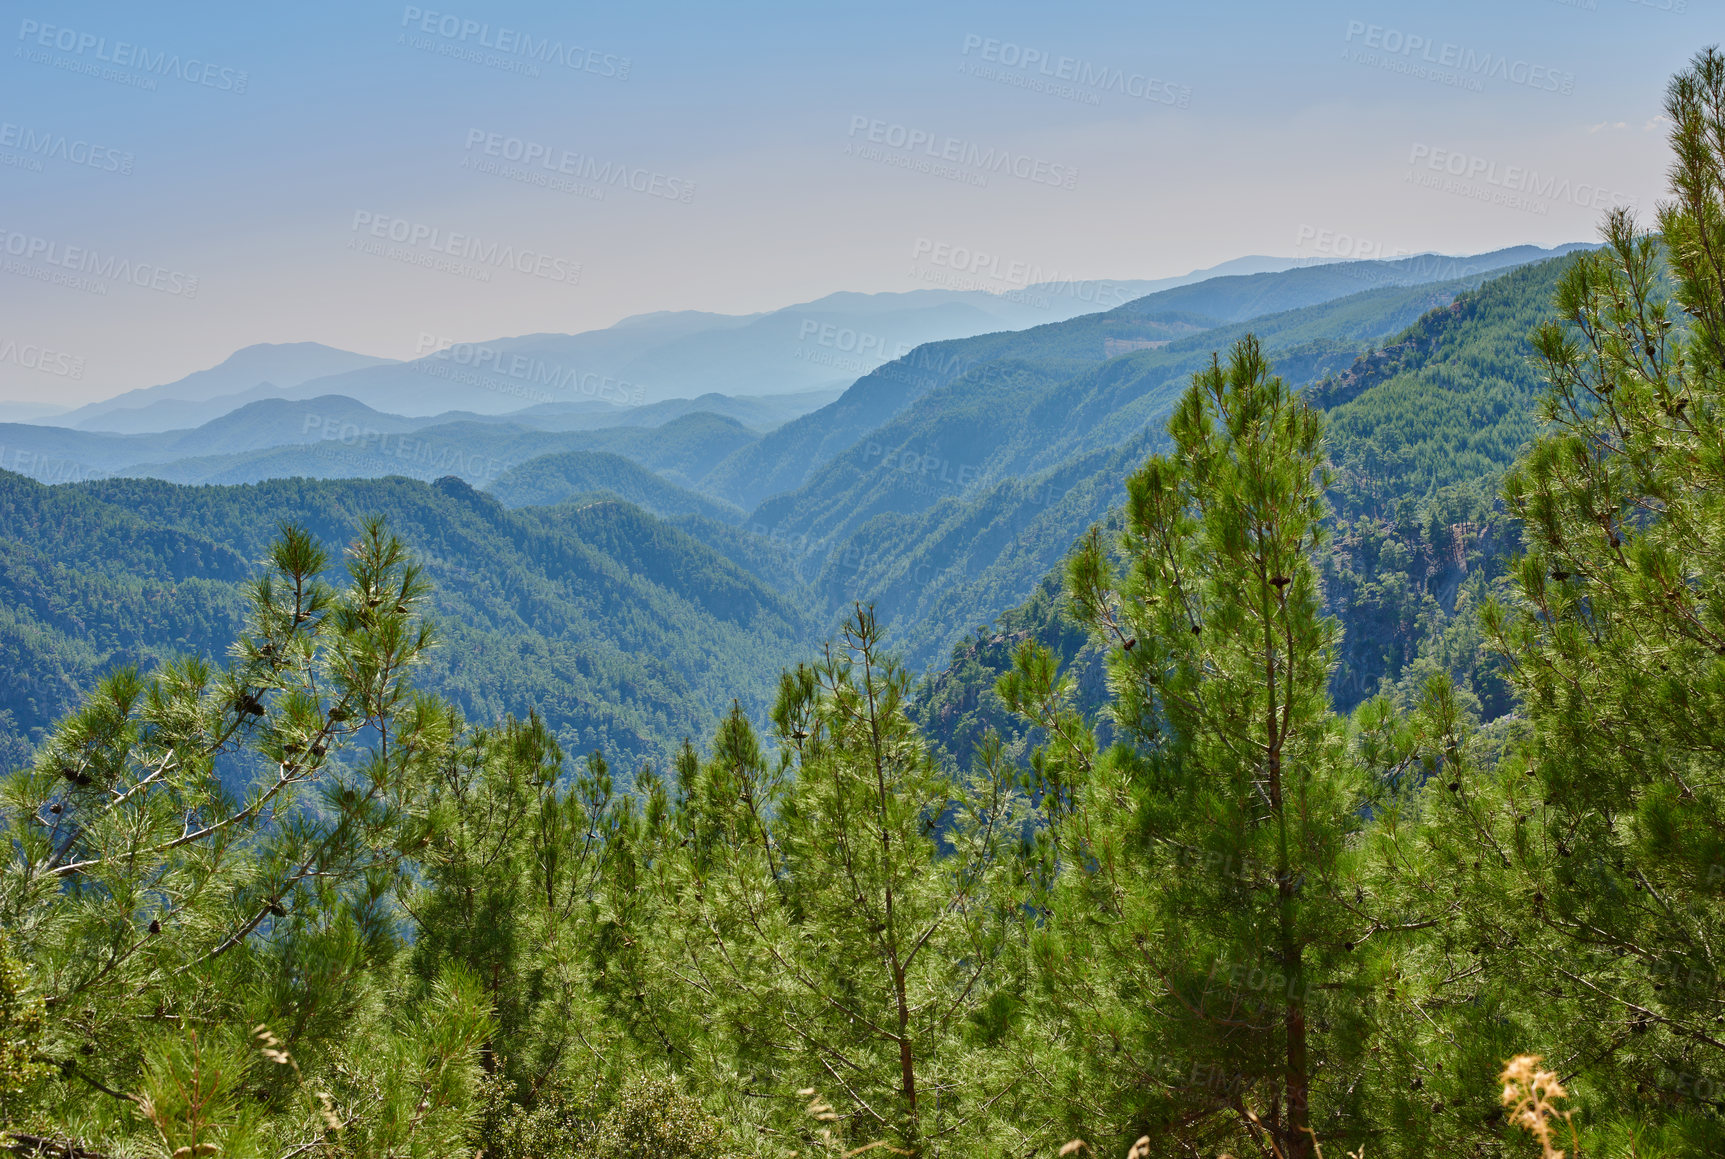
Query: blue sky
[472, 170]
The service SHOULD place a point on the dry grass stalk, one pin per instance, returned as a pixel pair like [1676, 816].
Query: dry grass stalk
[1529, 1093]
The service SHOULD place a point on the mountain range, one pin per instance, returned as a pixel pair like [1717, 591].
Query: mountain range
[313, 400]
[813, 346]
[629, 571]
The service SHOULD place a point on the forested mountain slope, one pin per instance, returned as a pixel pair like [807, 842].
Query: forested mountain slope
[998, 453]
[786, 459]
[549, 480]
[623, 631]
[956, 507]
[1421, 431]
[684, 450]
[1016, 416]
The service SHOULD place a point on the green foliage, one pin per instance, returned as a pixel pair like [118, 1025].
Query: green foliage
[1612, 633]
[22, 1018]
[517, 887]
[1205, 856]
[192, 1097]
[649, 1119]
[836, 905]
[653, 1120]
[207, 849]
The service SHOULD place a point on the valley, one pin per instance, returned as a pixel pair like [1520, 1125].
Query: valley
[941, 488]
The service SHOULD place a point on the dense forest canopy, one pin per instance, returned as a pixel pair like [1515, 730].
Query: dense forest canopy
[1357, 782]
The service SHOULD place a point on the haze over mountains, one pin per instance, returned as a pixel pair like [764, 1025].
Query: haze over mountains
[942, 486]
[758, 370]
[824, 344]
[254, 372]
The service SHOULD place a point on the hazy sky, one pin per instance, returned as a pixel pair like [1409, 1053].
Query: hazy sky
[182, 180]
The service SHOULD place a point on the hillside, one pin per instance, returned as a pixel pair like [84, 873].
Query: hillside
[549, 480]
[625, 632]
[684, 450]
[787, 458]
[994, 455]
[954, 508]
[1421, 430]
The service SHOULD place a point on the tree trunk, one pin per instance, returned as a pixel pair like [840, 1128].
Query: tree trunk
[906, 1062]
[1296, 1139]
[1299, 1142]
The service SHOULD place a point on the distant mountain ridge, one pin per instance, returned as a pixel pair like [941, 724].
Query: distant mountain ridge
[824, 344]
[767, 445]
[251, 372]
[333, 435]
[787, 457]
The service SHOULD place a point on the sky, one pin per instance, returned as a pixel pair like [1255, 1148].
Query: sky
[179, 181]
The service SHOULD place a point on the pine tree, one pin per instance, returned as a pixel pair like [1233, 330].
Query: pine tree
[1198, 942]
[1611, 848]
[525, 885]
[198, 870]
[838, 912]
